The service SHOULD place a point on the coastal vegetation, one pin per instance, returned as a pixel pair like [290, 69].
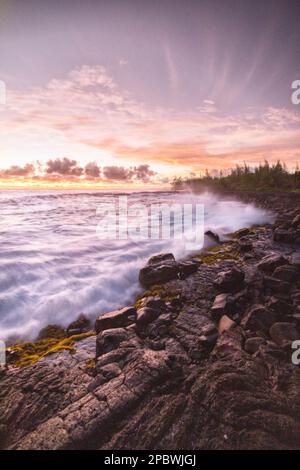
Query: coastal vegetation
[265, 177]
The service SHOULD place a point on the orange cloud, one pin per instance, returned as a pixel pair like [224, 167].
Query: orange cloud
[87, 117]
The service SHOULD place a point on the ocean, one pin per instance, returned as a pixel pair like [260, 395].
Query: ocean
[54, 266]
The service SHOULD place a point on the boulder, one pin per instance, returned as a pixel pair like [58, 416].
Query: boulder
[213, 236]
[159, 269]
[109, 340]
[287, 273]
[162, 257]
[276, 285]
[80, 325]
[157, 328]
[116, 319]
[245, 244]
[279, 306]
[208, 337]
[271, 262]
[153, 302]
[146, 315]
[225, 324]
[231, 280]
[285, 236]
[252, 344]
[206, 342]
[283, 333]
[258, 318]
[186, 268]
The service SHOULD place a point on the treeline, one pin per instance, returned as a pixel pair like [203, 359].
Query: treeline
[265, 177]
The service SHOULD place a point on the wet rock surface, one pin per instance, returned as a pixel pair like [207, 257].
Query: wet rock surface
[203, 361]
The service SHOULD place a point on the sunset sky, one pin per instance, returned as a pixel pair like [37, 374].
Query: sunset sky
[130, 93]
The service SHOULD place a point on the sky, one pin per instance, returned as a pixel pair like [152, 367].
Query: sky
[131, 93]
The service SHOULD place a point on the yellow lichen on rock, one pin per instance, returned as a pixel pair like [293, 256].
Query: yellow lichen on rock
[25, 354]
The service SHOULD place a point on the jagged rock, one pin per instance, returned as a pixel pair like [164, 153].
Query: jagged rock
[245, 244]
[279, 306]
[159, 269]
[286, 273]
[220, 306]
[258, 318]
[283, 333]
[157, 328]
[105, 374]
[276, 285]
[296, 221]
[238, 301]
[190, 325]
[231, 280]
[166, 387]
[108, 340]
[285, 236]
[146, 315]
[116, 319]
[161, 258]
[205, 342]
[153, 302]
[225, 323]
[296, 298]
[176, 302]
[252, 344]
[213, 236]
[271, 262]
[80, 325]
[295, 260]
[186, 268]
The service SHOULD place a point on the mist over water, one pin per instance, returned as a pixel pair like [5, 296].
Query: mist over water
[54, 267]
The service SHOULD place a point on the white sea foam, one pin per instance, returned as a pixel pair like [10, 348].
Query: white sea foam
[54, 267]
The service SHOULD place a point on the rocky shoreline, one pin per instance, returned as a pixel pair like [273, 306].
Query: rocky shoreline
[203, 360]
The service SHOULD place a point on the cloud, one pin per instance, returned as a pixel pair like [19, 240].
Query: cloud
[64, 166]
[141, 173]
[85, 76]
[16, 170]
[92, 170]
[86, 114]
[117, 173]
[66, 169]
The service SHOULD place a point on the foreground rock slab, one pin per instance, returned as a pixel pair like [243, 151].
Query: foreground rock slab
[171, 375]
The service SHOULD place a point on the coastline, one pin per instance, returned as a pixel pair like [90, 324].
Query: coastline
[202, 372]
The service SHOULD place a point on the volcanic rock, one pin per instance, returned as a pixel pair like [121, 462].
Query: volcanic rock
[231, 280]
[271, 262]
[116, 319]
[258, 318]
[159, 269]
[284, 332]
